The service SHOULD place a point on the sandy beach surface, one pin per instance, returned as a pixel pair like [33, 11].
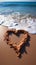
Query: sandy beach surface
[8, 55]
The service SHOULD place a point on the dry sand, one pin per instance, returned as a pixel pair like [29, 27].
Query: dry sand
[8, 55]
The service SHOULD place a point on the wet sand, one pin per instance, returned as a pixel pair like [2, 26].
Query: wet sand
[8, 55]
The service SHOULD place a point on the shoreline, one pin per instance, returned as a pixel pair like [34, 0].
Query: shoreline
[16, 21]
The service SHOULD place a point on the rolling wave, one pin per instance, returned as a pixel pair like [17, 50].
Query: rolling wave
[8, 4]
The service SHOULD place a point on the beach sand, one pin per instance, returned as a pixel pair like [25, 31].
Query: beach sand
[8, 55]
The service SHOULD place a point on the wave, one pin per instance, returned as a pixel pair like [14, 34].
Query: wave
[19, 21]
[5, 4]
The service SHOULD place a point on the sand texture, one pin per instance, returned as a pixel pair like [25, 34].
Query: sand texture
[8, 55]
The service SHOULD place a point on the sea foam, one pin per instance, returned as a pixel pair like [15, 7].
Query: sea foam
[19, 21]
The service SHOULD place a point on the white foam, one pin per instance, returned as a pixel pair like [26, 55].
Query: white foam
[17, 22]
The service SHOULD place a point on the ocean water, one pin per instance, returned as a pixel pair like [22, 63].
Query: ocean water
[22, 7]
[19, 15]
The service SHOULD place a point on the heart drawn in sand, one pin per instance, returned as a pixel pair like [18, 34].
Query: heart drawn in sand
[16, 39]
